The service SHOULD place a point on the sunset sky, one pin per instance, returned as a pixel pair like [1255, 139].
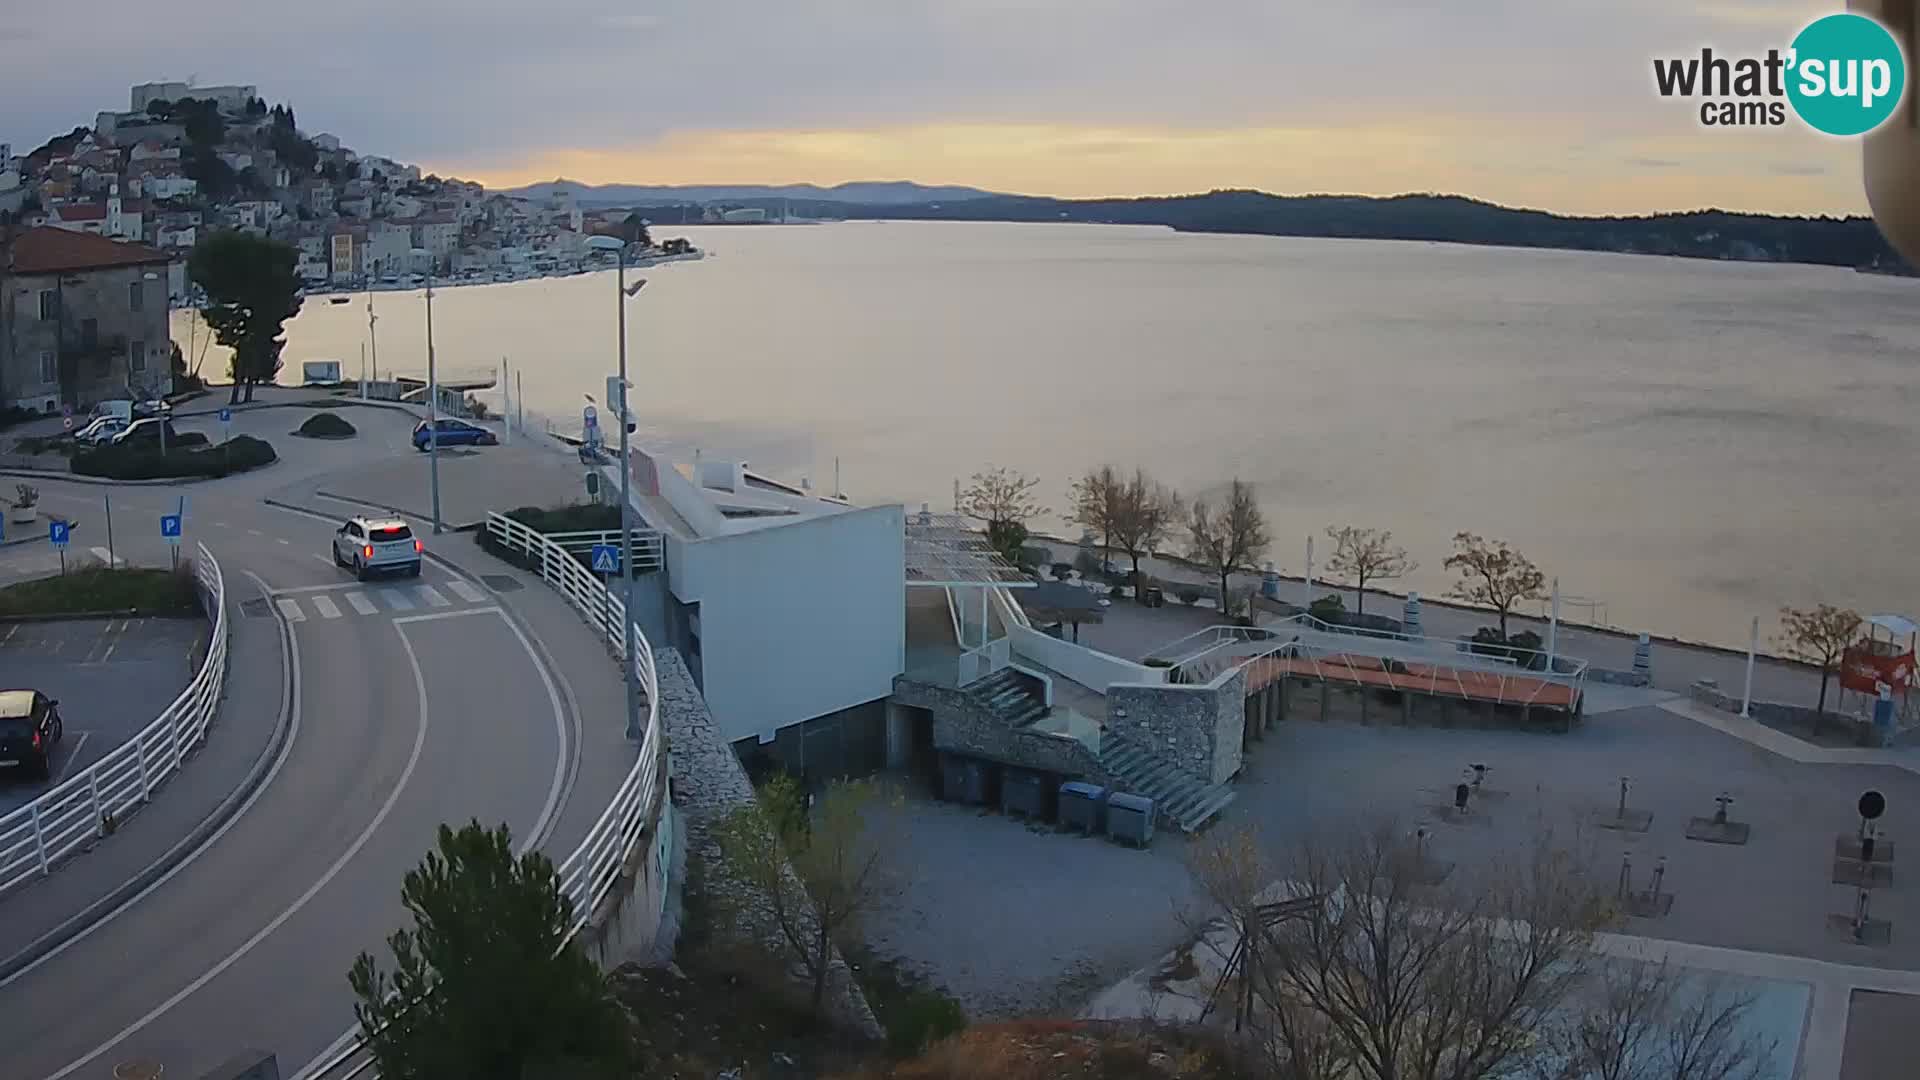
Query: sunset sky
[1547, 103]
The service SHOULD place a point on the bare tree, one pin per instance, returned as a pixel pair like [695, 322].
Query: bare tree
[1363, 555]
[1225, 538]
[1649, 1021]
[1148, 512]
[1493, 574]
[815, 875]
[1003, 498]
[1819, 636]
[1095, 500]
[1233, 871]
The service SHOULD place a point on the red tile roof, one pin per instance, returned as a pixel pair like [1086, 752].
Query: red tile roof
[49, 250]
[80, 212]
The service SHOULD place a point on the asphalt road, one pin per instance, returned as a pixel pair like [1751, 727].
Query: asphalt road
[420, 702]
[111, 677]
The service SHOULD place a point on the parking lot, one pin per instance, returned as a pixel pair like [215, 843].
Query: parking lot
[111, 677]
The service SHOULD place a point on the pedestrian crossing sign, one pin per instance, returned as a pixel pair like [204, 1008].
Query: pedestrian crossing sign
[606, 559]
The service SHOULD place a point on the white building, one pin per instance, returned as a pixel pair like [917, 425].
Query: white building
[389, 249]
[755, 570]
[229, 98]
[327, 142]
[437, 233]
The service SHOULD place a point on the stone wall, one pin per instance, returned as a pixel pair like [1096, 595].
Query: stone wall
[1776, 714]
[1619, 678]
[961, 726]
[1197, 729]
[708, 782]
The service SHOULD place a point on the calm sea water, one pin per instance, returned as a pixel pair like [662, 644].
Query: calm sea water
[1691, 443]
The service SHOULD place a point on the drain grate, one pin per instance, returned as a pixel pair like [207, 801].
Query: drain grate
[501, 582]
[256, 609]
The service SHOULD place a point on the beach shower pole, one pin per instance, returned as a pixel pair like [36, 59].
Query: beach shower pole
[1553, 627]
[1753, 646]
[433, 413]
[1306, 583]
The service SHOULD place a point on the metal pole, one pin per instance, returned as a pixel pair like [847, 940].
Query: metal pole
[107, 498]
[373, 343]
[519, 397]
[506, 399]
[1553, 627]
[1753, 646]
[1306, 583]
[433, 413]
[634, 730]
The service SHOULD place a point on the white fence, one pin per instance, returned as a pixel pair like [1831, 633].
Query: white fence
[1093, 670]
[93, 802]
[588, 875]
[649, 551]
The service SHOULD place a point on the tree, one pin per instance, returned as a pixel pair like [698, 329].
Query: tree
[1003, 498]
[159, 108]
[1369, 965]
[1094, 502]
[814, 871]
[252, 290]
[633, 230]
[1229, 537]
[1363, 555]
[1819, 636]
[1493, 574]
[485, 983]
[1147, 513]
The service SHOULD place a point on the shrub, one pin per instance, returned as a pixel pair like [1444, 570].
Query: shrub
[1118, 592]
[25, 495]
[238, 454]
[1061, 570]
[1155, 661]
[1188, 594]
[1329, 609]
[187, 439]
[921, 1018]
[1087, 563]
[149, 592]
[326, 425]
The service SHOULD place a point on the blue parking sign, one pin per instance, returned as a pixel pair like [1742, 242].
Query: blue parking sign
[226, 415]
[57, 533]
[606, 559]
[170, 527]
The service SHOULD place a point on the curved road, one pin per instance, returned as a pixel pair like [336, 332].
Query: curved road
[418, 701]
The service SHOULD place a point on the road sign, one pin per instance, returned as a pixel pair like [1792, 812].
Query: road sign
[170, 527]
[226, 416]
[67, 421]
[606, 559]
[57, 532]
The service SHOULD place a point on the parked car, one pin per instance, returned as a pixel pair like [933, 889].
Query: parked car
[370, 546]
[30, 725]
[145, 432]
[99, 430]
[451, 432]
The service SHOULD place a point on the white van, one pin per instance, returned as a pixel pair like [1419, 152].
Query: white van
[119, 408]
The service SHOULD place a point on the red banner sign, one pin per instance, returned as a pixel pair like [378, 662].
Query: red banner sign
[1865, 670]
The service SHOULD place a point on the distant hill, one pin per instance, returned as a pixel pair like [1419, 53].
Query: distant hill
[1708, 234]
[872, 193]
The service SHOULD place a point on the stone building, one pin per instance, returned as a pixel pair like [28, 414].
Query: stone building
[83, 318]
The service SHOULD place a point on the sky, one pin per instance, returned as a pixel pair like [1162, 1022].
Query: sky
[1538, 103]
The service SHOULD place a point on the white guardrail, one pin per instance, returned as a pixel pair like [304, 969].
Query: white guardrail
[94, 801]
[591, 872]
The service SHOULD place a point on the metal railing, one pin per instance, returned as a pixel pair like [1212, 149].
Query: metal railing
[589, 875]
[649, 551]
[92, 803]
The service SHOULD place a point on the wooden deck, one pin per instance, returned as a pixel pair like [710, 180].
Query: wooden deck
[1467, 684]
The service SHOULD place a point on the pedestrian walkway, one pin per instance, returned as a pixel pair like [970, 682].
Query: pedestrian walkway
[328, 602]
[1757, 734]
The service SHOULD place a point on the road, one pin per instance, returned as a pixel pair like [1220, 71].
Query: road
[419, 701]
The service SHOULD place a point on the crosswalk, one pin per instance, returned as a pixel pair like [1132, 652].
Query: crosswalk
[377, 600]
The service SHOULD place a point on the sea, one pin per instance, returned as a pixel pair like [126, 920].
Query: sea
[1683, 445]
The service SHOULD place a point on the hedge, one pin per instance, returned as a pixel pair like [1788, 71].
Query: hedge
[577, 517]
[149, 592]
[238, 454]
[326, 425]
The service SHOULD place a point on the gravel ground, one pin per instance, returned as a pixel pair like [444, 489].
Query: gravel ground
[1011, 920]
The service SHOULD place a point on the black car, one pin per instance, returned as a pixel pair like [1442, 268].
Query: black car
[29, 726]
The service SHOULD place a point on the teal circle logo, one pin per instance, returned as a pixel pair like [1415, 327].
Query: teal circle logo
[1847, 74]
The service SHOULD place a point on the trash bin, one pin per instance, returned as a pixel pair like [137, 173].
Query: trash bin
[1024, 792]
[1081, 804]
[1154, 597]
[1130, 819]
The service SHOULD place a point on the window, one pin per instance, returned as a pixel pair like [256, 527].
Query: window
[49, 305]
[137, 355]
[49, 368]
[136, 296]
[392, 533]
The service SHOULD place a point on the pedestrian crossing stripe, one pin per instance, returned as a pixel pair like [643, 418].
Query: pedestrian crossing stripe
[466, 592]
[290, 608]
[369, 601]
[432, 596]
[325, 606]
[397, 600]
[361, 604]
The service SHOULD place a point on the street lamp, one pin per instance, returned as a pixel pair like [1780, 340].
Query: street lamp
[621, 294]
[433, 413]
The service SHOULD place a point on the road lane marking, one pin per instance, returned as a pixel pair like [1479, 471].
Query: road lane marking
[107, 556]
[360, 603]
[72, 756]
[289, 542]
[290, 714]
[324, 605]
[255, 532]
[323, 558]
[461, 614]
[291, 609]
[467, 592]
[247, 946]
[397, 600]
[432, 596]
[317, 588]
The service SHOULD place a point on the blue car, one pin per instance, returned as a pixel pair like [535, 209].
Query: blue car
[452, 432]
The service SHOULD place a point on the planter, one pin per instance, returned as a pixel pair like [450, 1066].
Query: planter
[22, 515]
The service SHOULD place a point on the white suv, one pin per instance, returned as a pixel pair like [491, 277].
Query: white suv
[377, 545]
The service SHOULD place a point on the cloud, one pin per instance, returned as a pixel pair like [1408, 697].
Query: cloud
[1653, 163]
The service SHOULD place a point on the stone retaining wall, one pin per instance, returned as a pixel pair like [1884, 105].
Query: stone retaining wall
[1776, 714]
[1197, 729]
[961, 726]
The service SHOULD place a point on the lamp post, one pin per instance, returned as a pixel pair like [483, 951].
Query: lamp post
[433, 413]
[621, 294]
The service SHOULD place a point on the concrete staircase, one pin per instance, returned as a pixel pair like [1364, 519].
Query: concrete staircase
[1008, 695]
[1178, 796]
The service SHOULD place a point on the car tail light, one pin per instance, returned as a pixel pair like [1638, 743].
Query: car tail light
[418, 547]
[368, 552]
[36, 740]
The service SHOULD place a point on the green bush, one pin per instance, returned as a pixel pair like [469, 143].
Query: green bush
[187, 439]
[1087, 563]
[326, 425]
[1329, 609]
[238, 454]
[1188, 594]
[149, 592]
[920, 1018]
[575, 517]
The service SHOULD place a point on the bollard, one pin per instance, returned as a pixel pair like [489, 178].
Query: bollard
[1720, 815]
[1626, 874]
[1461, 793]
[1410, 615]
[1622, 812]
[1659, 875]
[1643, 656]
